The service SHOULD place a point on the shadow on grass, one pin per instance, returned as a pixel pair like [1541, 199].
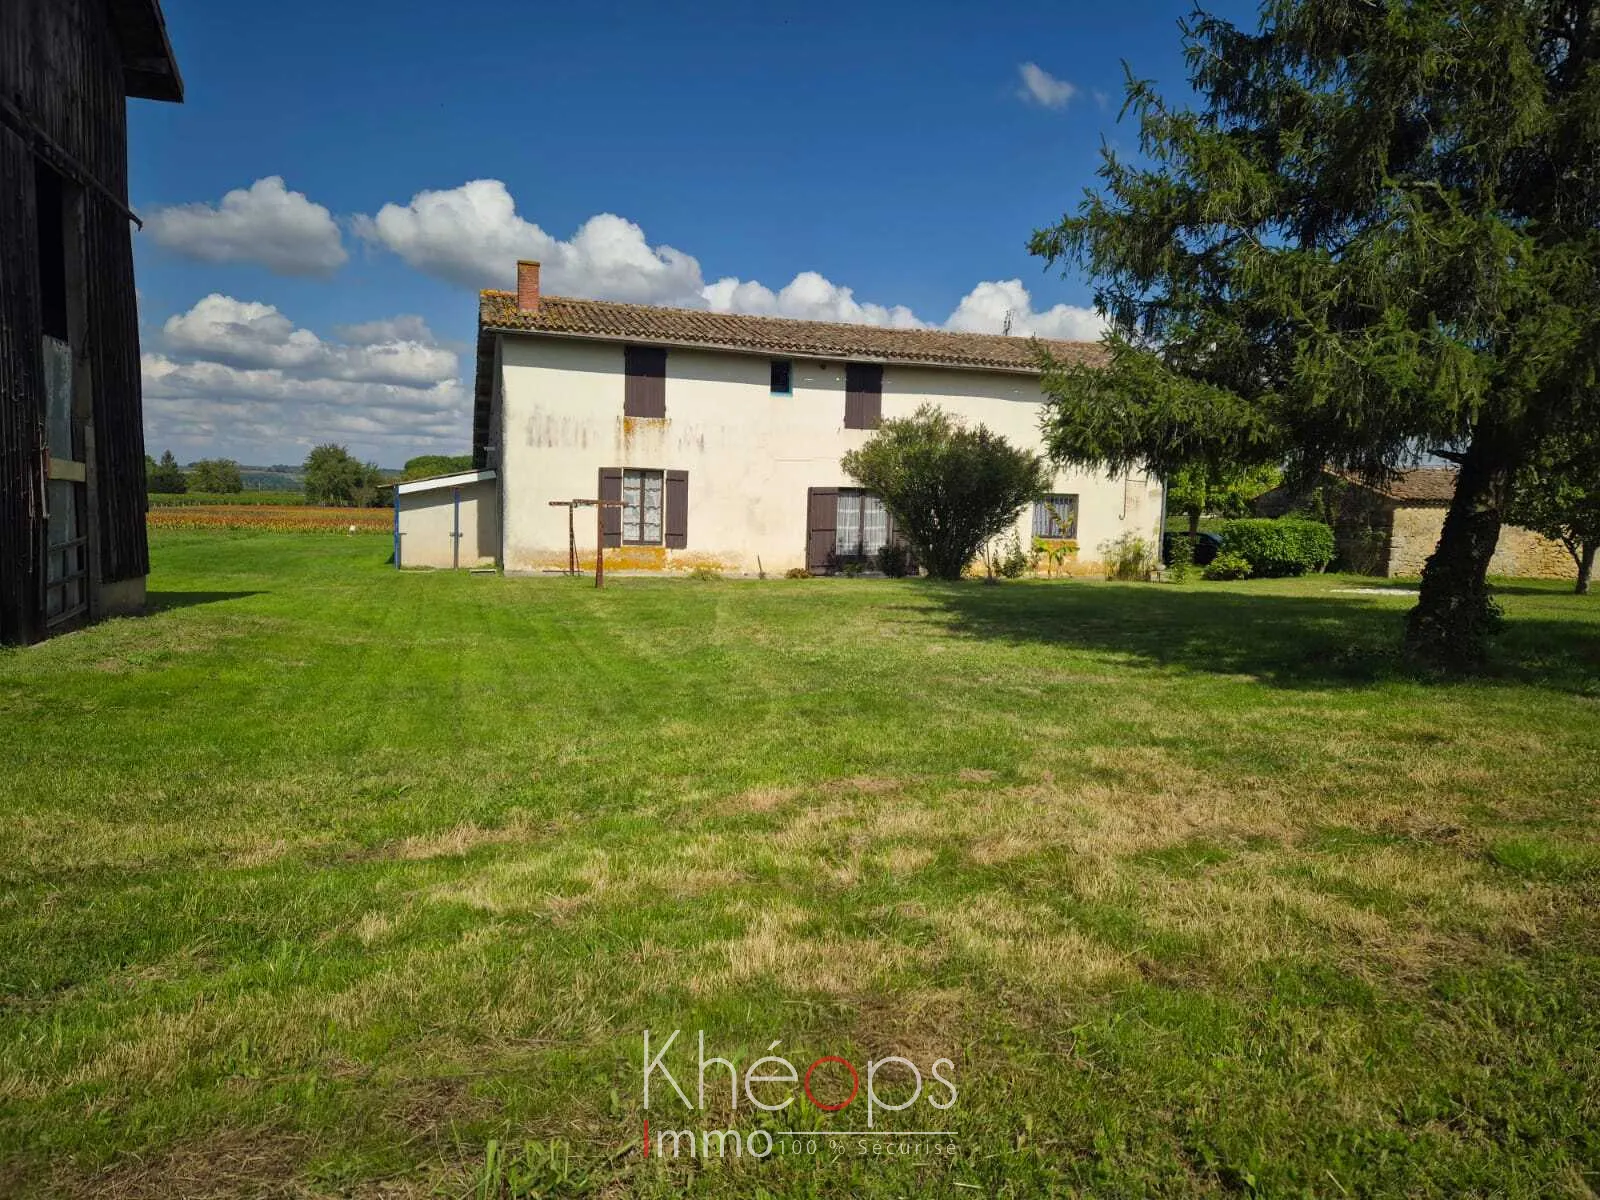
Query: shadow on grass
[1285, 640]
[155, 602]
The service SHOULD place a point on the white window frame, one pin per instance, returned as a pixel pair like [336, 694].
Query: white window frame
[635, 515]
[859, 499]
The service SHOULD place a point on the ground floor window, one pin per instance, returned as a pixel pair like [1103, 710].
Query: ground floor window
[1055, 516]
[861, 528]
[641, 508]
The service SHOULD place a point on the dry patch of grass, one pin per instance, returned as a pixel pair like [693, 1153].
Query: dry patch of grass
[1029, 944]
[228, 1164]
[775, 947]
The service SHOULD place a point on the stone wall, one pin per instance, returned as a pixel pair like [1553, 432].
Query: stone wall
[1414, 533]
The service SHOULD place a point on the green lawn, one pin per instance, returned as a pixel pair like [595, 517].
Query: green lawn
[331, 880]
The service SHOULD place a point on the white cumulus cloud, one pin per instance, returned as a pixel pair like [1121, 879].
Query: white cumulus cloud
[809, 297]
[1042, 88]
[473, 235]
[390, 329]
[988, 307]
[239, 377]
[249, 334]
[264, 223]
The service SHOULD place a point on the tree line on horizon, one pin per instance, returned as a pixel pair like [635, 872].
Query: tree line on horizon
[330, 476]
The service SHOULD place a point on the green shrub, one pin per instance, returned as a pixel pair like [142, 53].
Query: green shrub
[949, 487]
[1182, 558]
[894, 560]
[1128, 557]
[1055, 551]
[1227, 565]
[1012, 561]
[1286, 546]
[705, 574]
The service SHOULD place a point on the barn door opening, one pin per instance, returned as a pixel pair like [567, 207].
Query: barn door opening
[69, 435]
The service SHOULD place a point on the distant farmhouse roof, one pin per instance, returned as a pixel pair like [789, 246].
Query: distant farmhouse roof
[607, 320]
[1419, 485]
[772, 335]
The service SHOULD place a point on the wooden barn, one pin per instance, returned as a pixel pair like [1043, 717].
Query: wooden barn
[72, 537]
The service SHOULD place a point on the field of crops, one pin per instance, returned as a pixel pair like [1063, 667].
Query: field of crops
[272, 518]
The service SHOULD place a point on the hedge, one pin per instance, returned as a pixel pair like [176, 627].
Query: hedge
[1285, 546]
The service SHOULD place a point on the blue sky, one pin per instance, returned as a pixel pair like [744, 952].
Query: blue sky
[311, 249]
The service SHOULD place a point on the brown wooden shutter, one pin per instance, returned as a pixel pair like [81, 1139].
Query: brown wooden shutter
[645, 393]
[676, 518]
[822, 519]
[611, 518]
[863, 395]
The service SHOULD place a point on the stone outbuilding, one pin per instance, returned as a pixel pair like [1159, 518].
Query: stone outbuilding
[1390, 528]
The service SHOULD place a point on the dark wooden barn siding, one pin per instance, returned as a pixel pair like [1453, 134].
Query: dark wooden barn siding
[21, 385]
[60, 65]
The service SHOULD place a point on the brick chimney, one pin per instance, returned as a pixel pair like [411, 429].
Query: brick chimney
[527, 286]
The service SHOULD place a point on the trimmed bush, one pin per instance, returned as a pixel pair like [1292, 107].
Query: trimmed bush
[894, 560]
[1227, 565]
[1286, 546]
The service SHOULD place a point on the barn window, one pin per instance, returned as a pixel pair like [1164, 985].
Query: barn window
[49, 198]
[1055, 516]
[641, 507]
[782, 377]
[862, 525]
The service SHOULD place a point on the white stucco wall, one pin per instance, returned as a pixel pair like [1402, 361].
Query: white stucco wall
[750, 455]
[427, 521]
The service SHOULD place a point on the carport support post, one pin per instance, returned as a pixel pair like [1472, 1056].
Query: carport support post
[455, 532]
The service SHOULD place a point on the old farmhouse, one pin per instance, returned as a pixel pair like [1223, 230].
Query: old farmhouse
[72, 504]
[721, 437]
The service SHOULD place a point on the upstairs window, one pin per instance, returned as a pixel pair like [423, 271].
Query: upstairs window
[863, 395]
[1055, 516]
[782, 377]
[645, 393]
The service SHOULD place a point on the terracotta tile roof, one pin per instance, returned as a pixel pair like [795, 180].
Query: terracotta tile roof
[1419, 485]
[773, 335]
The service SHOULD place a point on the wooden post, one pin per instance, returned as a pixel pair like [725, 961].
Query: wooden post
[600, 507]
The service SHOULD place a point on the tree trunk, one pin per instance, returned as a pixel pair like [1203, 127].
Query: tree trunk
[1586, 567]
[1454, 616]
[1194, 522]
